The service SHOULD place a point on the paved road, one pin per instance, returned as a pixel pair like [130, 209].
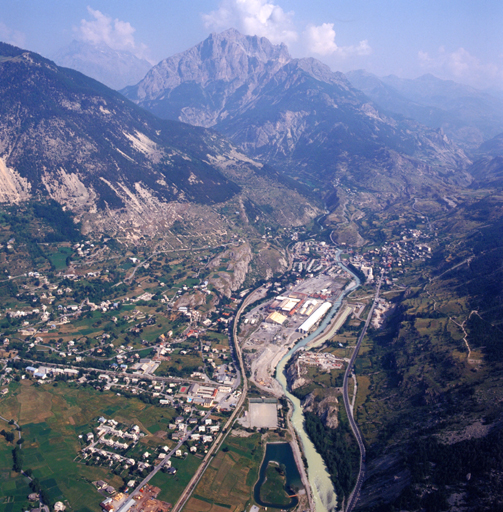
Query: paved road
[17, 427]
[164, 461]
[353, 498]
[251, 297]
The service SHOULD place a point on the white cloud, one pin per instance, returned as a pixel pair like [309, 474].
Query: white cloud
[253, 17]
[113, 32]
[267, 19]
[462, 66]
[321, 40]
[11, 36]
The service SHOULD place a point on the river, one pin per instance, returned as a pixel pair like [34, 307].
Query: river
[324, 496]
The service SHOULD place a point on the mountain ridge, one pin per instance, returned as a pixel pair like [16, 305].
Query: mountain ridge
[465, 114]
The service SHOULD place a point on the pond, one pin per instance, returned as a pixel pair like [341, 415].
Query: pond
[279, 478]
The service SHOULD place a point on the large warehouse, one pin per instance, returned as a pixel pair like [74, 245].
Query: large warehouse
[315, 317]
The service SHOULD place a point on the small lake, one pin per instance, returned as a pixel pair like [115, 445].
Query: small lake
[282, 454]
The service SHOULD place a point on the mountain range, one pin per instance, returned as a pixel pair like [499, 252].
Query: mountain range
[63, 133]
[298, 116]
[468, 116]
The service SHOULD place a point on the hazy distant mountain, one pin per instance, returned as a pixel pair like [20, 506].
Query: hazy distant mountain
[487, 169]
[70, 138]
[492, 147]
[465, 114]
[114, 68]
[295, 114]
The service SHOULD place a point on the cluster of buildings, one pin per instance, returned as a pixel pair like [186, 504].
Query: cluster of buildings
[107, 434]
[322, 360]
[44, 372]
[283, 307]
[207, 396]
[394, 255]
[313, 256]
[205, 432]
[146, 500]
[146, 366]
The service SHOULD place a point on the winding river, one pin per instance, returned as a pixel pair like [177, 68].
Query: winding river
[324, 496]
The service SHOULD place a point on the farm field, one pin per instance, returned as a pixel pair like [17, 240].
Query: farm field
[14, 487]
[52, 418]
[172, 486]
[228, 482]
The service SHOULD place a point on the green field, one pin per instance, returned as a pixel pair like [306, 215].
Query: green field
[52, 419]
[58, 259]
[229, 479]
[172, 486]
[14, 488]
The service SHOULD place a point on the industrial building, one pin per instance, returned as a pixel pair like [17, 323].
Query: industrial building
[276, 318]
[315, 317]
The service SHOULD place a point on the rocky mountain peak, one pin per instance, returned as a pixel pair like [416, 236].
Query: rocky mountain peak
[227, 57]
[321, 72]
[231, 41]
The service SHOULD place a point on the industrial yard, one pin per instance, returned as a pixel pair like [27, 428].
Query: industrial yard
[273, 327]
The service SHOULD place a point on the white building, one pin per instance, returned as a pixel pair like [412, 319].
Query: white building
[315, 317]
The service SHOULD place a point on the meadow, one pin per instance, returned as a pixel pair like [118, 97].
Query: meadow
[52, 418]
[227, 485]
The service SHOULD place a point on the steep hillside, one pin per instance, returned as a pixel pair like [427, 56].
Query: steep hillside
[70, 138]
[432, 411]
[492, 147]
[487, 168]
[487, 172]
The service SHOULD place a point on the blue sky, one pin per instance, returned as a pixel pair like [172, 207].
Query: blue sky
[455, 39]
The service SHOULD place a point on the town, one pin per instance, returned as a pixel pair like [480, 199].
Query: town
[170, 347]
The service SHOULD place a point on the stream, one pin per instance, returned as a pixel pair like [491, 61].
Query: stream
[324, 497]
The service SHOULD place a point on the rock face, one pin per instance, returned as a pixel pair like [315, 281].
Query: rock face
[294, 376]
[298, 115]
[327, 409]
[239, 258]
[114, 68]
[67, 137]
[204, 85]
